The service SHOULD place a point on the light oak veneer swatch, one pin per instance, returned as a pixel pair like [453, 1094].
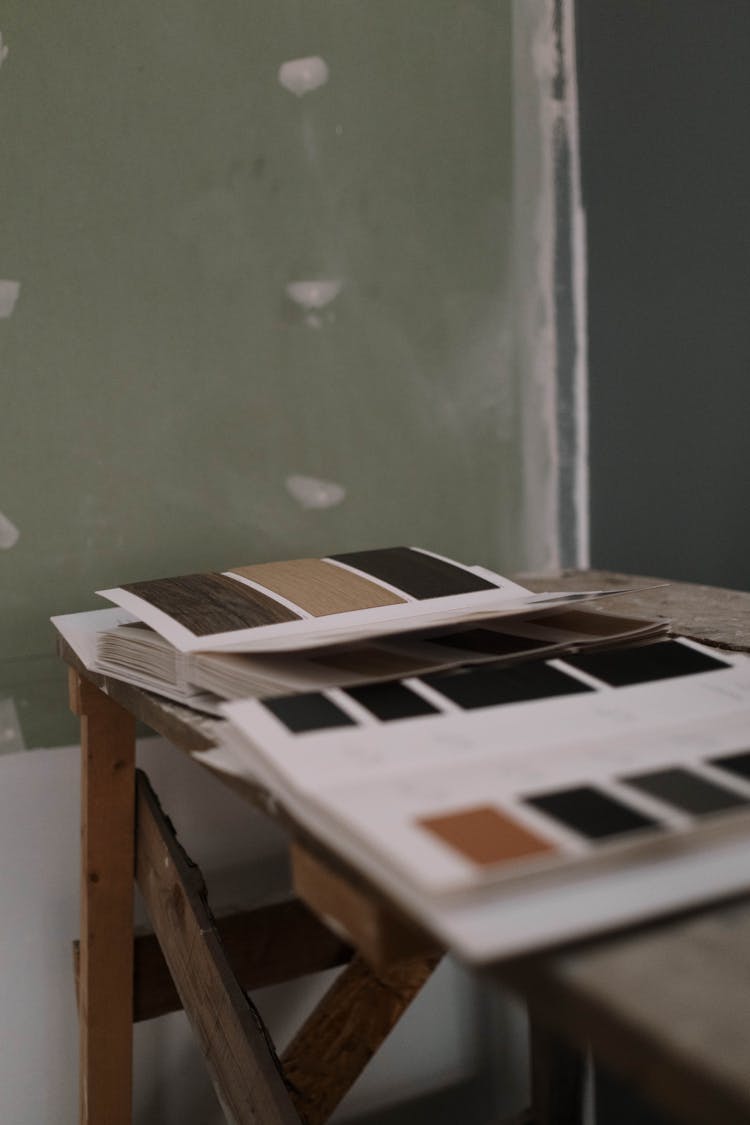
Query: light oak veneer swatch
[319, 587]
[485, 835]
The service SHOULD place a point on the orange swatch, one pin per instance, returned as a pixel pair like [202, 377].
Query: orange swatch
[485, 835]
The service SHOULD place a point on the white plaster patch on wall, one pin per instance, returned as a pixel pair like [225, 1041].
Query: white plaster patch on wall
[312, 493]
[11, 736]
[3, 50]
[313, 294]
[302, 76]
[9, 533]
[9, 291]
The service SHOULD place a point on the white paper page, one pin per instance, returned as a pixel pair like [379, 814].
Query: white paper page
[315, 761]
[81, 630]
[488, 924]
[356, 625]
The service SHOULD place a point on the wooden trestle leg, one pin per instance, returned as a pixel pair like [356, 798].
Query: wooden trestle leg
[340, 1037]
[337, 1040]
[105, 987]
[239, 1055]
[125, 833]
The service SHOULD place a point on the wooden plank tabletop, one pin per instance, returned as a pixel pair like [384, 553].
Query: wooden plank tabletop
[666, 1004]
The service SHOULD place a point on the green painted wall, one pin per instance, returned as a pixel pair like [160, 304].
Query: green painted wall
[159, 189]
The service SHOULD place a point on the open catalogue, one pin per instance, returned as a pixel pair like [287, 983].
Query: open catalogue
[316, 623]
[514, 769]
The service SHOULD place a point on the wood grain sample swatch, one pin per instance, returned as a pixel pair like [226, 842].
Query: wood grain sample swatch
[686, 791]
[319, 587]
[591, 813]
[645, 663]
[417, 574]
[490, 687]
[211, 603]
[485, 835]
[307, 711]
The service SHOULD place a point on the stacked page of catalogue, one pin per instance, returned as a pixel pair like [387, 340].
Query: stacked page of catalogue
[510, 808]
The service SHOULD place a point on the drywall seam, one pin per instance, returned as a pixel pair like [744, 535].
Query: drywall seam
[575, 222]
[549, 287]
[533, 222]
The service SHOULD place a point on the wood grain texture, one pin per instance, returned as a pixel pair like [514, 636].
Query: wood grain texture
[266, 945]
[666, 1007]
[340, 1037]
[705, 613]
[188, 729]
[319, 587]
[381, 934]
[239, 1055]
[211, 603]
[105, 993]
[417, 574]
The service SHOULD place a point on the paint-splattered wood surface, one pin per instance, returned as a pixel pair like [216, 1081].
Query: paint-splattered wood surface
[668, 1004]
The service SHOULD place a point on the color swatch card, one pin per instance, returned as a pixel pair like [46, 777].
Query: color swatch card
[306, 603]
[464, 790]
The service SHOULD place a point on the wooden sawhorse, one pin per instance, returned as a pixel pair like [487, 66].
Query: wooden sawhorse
[205, 966]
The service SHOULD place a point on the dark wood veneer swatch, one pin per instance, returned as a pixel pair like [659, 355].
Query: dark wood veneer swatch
[489, 687]
[590, 812]
[485, 835]
[686, 791]
[211, 603]
[307, 711]
[644, 663]
[319, 587]
[391, 701]
[417, 574]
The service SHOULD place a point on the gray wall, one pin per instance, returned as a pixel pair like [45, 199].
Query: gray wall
[664, 89]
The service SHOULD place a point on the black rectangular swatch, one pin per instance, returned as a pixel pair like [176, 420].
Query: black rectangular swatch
[734, 763]
[686, 791]
[644, 663]
[488, 686]
[308, 711]
[211, 603]
[488, 641]
[391, 701]
[590, 812]
[417, 574]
